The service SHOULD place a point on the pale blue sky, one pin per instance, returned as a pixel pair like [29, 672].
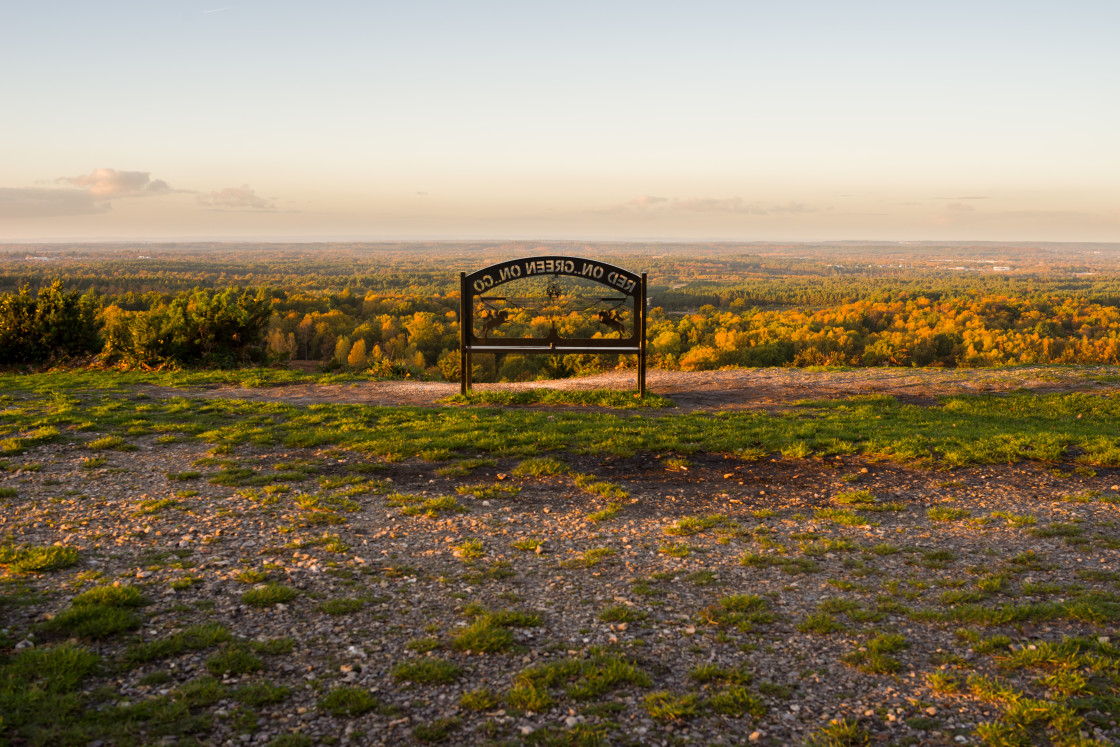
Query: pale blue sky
[738, 120]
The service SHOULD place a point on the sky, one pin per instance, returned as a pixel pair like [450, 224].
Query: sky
[788, 120]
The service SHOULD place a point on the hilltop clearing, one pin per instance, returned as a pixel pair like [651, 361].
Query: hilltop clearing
[785, 557]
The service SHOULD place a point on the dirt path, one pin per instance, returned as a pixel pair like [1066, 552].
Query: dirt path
[760, 388]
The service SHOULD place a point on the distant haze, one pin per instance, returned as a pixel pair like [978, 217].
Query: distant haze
[739, 120]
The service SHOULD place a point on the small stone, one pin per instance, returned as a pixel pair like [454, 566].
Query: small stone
[24, 644]
[526, 731]
[755, 736]
[931, 711]
[571, 722]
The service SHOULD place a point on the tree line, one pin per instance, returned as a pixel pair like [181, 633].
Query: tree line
[388, 334]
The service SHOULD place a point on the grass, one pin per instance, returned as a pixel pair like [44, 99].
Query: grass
[589, 558]
[966, 429]
[541, 467]
[746, 612]
[341, 606]
[491, 631]
[348, 702]
[431, 508]
[839, 733]
[667, 706]
[819, 623]
[114, 443]
[269, 595]
[427, 671]
[471, 549]
[590, 484]
[481, 699]
[194, 638]
[488, 492]
[234, 659]
[605, 514]
[690, 525]
[573, 397]
[874, 657]
[100, 613]
[737, 702]
[619, 613]
[37, 558]
[535, 688]
[436, 731]
[464, 467]
[946, 513]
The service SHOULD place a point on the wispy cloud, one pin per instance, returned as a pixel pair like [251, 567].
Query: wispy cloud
[648, 204]
[47, 203]
[106, 183]
[645, 201]
[236, 198]
[960, 207]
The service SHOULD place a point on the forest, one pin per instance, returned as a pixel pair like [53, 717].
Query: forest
[392, 309]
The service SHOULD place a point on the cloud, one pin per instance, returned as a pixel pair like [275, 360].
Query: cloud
[960, 207]
[114, 183]
[737, 205]
[717, 205]
[47, 203]
[967, 197]
[235, 198]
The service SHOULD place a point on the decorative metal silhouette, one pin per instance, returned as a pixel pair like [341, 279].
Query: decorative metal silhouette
[610, 319]
[494, 320]
[623, 312]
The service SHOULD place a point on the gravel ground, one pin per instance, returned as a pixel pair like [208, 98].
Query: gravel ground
[415, 589]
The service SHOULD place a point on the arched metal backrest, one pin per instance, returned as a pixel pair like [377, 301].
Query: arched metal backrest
[482, 283]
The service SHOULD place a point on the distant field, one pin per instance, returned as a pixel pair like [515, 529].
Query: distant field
[391, 310]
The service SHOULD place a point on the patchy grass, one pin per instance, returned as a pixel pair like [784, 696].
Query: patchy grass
[690, 525]
[571, 397]
[488, 492]
[37, 559]
[269, 595]
[100, 613]
[348, 702]
[605, 514]
[667, 706]
[589, 558]
[947, 513]
[541, 467]
[428, 671]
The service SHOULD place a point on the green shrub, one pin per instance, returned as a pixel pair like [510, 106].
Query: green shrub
[54, 324]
